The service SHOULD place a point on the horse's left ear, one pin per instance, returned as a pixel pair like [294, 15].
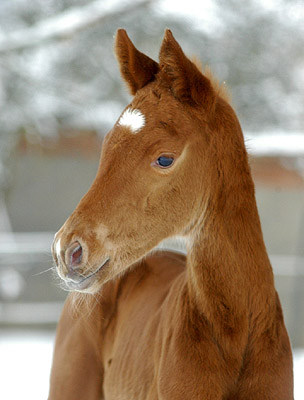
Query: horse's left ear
[187, 83]
[136, 68]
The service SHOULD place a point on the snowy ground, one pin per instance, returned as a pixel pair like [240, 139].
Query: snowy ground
[25, 360]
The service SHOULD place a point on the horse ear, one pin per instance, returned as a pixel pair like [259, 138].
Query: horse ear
[136, 68]
[187, 83]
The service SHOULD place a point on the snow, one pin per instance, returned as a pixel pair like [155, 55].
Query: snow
[47, 98]
[201, 14]
[275, 144]
[25, 364]
[65, 24]
[26, 359]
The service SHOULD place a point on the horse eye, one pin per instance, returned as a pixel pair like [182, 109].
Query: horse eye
[164, 162]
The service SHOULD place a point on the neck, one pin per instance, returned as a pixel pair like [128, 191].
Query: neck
[229, 274]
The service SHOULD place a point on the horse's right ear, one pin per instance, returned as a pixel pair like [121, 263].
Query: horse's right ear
[136, 68]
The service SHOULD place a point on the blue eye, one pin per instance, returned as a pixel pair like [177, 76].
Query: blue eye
[164, 162]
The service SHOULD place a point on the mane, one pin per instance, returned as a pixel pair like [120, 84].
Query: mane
[220, 88]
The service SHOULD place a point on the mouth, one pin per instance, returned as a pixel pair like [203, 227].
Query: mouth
[80, 282]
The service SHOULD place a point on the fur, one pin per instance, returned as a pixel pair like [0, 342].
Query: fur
[159, 324]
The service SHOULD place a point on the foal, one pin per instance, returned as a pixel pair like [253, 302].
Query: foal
[161, 325]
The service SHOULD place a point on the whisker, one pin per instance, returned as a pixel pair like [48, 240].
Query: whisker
[43, 272]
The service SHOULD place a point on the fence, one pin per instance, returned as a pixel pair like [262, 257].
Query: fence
[30, 293]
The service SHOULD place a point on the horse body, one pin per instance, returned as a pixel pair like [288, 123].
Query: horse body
[165, 326]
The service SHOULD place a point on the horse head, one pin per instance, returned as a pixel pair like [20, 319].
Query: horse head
[160, 167]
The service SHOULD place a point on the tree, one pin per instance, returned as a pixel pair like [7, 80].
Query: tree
[57, 67]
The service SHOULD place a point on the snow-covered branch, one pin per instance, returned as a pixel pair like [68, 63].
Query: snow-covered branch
[68, 23]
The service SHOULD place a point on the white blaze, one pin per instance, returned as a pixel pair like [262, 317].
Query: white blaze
[58, 248]
[132, 119]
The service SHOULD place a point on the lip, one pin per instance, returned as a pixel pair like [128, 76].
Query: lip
[86, 281]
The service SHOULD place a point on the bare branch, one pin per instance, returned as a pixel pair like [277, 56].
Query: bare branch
[68, 23]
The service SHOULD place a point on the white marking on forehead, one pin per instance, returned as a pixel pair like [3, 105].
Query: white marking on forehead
[133, 119]
[58, 248]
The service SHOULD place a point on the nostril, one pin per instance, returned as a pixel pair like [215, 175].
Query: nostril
[74, 255]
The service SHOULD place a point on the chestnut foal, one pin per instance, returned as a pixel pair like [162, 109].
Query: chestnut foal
[159, 325]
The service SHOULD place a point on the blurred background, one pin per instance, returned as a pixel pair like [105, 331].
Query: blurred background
[60, 92]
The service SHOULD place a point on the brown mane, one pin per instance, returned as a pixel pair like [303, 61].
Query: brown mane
[220, 88]
[158, 324]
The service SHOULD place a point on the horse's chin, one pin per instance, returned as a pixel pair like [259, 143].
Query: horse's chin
[91, 283]
[89, 286]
